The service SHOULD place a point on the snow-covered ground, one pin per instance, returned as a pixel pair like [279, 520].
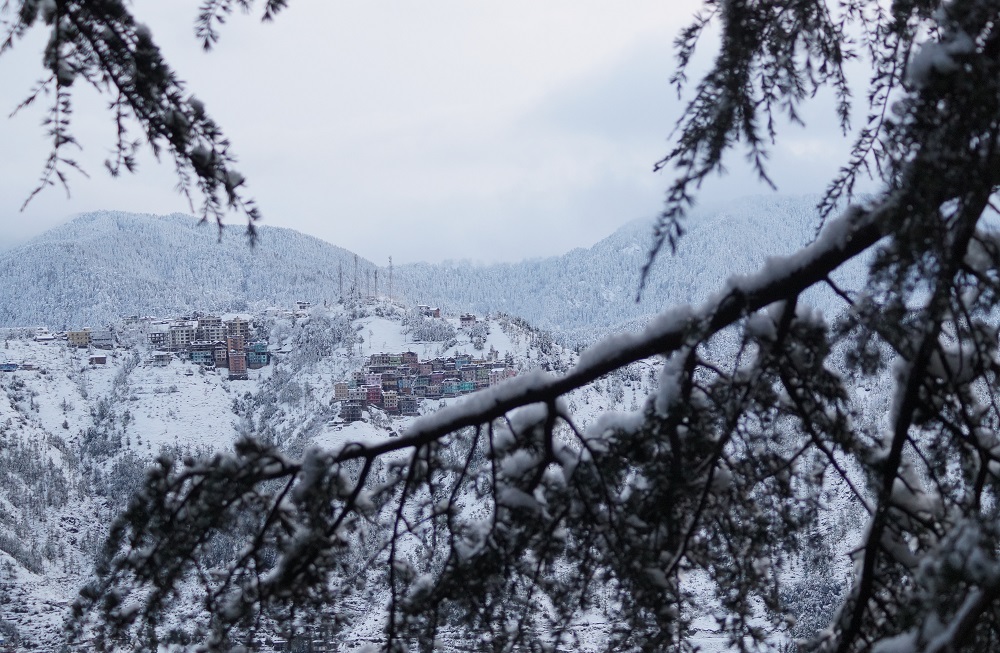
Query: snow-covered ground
[88, 430]
[75, 437]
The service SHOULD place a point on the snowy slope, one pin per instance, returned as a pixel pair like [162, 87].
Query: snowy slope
[588, 293]
[76, 437]
[101, 266]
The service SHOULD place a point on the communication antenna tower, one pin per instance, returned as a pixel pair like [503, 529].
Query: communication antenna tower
[357, 288]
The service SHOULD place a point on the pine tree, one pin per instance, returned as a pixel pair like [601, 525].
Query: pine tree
[99, 43]
[499, 522]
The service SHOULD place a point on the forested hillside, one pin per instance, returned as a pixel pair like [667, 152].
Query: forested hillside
[101, 266]
[106, 265]
[588, 293]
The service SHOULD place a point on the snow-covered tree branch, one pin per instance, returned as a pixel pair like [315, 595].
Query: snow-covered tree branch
[100, 43]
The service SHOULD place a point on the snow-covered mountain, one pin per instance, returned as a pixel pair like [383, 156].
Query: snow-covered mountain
[100, 266]
[588, 293]
[108, 264]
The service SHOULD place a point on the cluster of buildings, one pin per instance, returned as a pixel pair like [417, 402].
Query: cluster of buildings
[207, 340]
[210, 341]
[428, 311]
[465, 320]
[397, 382]
[85, 338]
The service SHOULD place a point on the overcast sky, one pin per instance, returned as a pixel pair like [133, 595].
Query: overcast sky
[492, 130]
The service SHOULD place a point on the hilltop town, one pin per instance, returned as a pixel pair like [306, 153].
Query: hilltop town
[396, 383]
[207, 340]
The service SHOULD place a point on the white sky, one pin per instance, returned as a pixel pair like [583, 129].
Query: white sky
[493, 130]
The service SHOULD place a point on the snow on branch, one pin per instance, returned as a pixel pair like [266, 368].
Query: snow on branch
[851, 234]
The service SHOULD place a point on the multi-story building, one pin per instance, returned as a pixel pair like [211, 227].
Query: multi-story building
[221, 354]
[351, 411]
[428, 311]
[157, 336]
[102, 338]
[467, 320]
[498, 374]
[238, 365]
[202, 352]
[257, 355]
[449, 388]
[181, 334]
[238, 327]
[210, 327]
[408, 405]
[397, 382]
[79, 338]
[204, 358]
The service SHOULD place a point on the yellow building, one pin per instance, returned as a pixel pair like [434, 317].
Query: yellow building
[78, 338]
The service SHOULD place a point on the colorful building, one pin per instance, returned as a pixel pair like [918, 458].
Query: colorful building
[238, 365]
[257, 355]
